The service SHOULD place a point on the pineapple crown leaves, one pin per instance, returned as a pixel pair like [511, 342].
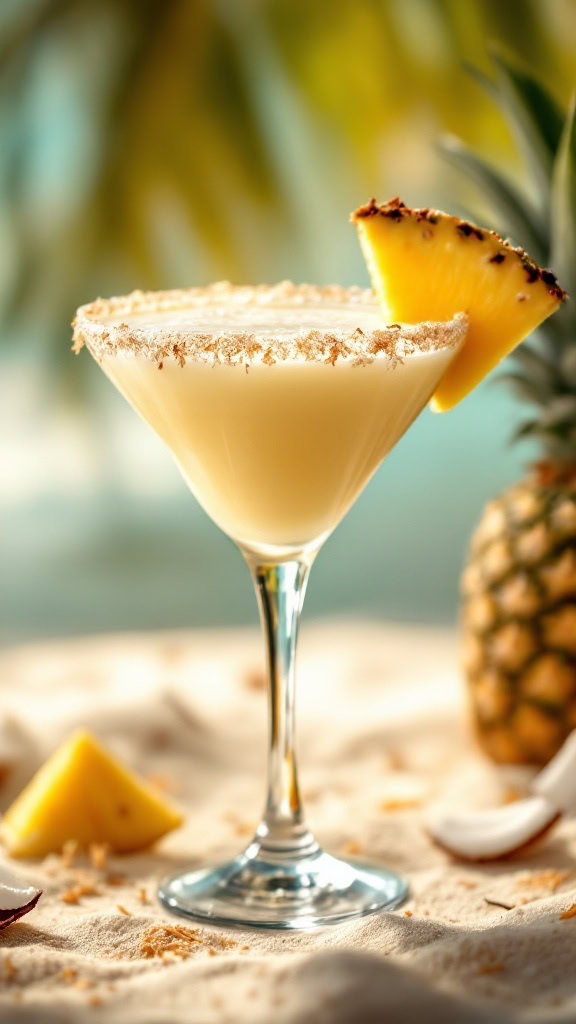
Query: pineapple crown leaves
[563, 205]
[544, 372]
[535, 118]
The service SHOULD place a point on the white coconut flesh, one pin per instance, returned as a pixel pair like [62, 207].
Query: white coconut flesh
[486, 835]
[16, 897]
[490, 834]
[557, 781]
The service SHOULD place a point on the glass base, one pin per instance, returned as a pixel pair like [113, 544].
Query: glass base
[259, 892]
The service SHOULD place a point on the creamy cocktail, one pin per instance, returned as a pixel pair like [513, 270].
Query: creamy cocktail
[279, 430]
[278, 403]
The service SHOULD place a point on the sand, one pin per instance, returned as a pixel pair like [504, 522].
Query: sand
[383, 734]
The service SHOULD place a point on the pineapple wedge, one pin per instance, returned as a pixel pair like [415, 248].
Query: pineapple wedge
[83, 793]
[427, 265]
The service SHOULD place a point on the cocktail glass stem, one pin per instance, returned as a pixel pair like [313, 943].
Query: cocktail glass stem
[280, 589]
[283, 879]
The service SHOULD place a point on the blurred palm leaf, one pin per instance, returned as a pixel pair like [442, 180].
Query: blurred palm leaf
[564, 204]
[516, 217]
[535, 117]
[152, 145]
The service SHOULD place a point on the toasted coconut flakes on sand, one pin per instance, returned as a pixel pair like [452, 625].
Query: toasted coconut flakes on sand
[571, 912]
[83, 984]
[400, 805]
[68, 975]
[550, 879]
[491, 969]
[176, 940]
[164, 782]
[10, 969]
[98, 853]
[353, 846]
[75, 893]
[69, 853]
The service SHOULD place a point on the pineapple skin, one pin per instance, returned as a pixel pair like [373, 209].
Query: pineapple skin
[519, 622]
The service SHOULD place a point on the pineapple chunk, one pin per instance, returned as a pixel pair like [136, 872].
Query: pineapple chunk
[426, 265]
[83, 793]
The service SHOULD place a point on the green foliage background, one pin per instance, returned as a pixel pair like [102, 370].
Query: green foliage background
[161, 144]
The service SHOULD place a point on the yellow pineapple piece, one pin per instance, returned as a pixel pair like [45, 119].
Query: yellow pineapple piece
[82, 793]
[427, 265]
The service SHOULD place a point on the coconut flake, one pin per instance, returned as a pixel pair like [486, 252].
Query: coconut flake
[557, 781]
[492, 834]
[489, 835]
[16, 897]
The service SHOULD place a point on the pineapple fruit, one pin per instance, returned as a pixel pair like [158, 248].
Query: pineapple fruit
[519, 619]
[427, 265]
[519, 587]
[82, 793]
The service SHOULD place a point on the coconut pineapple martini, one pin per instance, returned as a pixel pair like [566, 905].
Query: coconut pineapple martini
[278, 403]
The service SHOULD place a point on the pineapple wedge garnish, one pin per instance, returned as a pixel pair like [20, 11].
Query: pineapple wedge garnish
[427, 265]
[82, 793]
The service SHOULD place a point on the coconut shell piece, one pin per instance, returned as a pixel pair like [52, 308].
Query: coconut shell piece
[503, 831]
[16, 897]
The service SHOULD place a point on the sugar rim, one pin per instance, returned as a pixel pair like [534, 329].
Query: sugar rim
[156, 342]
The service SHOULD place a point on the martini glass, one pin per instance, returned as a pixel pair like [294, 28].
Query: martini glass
[278, 403]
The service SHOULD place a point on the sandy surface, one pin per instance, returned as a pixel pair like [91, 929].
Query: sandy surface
[382, 734]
